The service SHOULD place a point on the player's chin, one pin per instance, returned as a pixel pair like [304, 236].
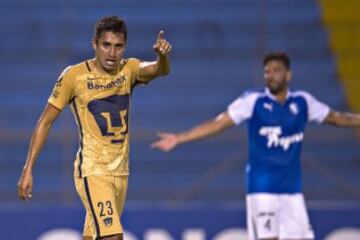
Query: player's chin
[109, 68]
[274, 89]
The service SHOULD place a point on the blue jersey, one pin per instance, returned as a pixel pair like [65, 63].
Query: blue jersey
[275, 134]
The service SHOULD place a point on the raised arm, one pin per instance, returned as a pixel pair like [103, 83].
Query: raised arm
[160, 67]
[343, 119]
[38, 139]
[168, 141]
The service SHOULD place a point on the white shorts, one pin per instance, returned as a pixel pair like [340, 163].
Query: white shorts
[281, 216]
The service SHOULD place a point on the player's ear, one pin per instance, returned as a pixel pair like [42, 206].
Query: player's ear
[94, 43]
[288, 76]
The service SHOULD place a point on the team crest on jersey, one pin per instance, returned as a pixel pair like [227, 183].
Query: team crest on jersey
[108, 221]
[268, 106]
[294, 108]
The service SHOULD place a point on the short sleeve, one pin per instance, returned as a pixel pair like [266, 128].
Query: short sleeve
[241, 109]
[317, 111]
[63, 90]
[134, 65]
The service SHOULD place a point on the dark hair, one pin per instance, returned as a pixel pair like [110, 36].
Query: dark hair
[277, 56]
[110, 24]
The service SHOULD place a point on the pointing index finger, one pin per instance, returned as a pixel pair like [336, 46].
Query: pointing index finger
[161, 35]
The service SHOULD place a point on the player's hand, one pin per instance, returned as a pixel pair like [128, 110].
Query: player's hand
[166, 143]
[161, 46]
[25, 185]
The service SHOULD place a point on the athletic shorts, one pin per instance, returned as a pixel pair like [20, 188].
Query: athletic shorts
[103, 197]
[281, 216]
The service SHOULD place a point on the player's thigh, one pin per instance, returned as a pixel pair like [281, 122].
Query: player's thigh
[294, 219]
[88, 226]
[99, 196]
[121, 183]
[262, 216]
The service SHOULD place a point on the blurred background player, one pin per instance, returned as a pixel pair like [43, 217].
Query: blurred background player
[99, 91]
[276, 118]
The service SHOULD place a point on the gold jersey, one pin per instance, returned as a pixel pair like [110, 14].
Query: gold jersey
[100, 104]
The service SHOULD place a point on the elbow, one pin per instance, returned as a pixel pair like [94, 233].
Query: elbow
[334, 119]
[165, 72]
[339, 123]
[335, 123]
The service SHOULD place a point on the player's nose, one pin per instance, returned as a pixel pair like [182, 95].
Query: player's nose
[112, 53]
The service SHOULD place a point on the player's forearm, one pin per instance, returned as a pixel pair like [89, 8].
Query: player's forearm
[38, 140]
[151, 70]
[162, 65]
[346, 119]
[199, 132]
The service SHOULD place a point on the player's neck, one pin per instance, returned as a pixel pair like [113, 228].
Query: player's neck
[281, 96]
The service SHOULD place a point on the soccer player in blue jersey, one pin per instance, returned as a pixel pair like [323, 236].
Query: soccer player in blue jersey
[276, 118]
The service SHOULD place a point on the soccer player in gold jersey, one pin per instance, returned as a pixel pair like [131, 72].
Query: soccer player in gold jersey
[98, 91]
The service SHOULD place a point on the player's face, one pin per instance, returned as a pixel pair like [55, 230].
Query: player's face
[109, 50]
[277, 76]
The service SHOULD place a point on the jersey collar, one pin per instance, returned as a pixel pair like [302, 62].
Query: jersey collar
[272, 96]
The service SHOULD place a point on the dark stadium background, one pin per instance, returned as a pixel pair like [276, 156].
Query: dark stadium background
[217, 52]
